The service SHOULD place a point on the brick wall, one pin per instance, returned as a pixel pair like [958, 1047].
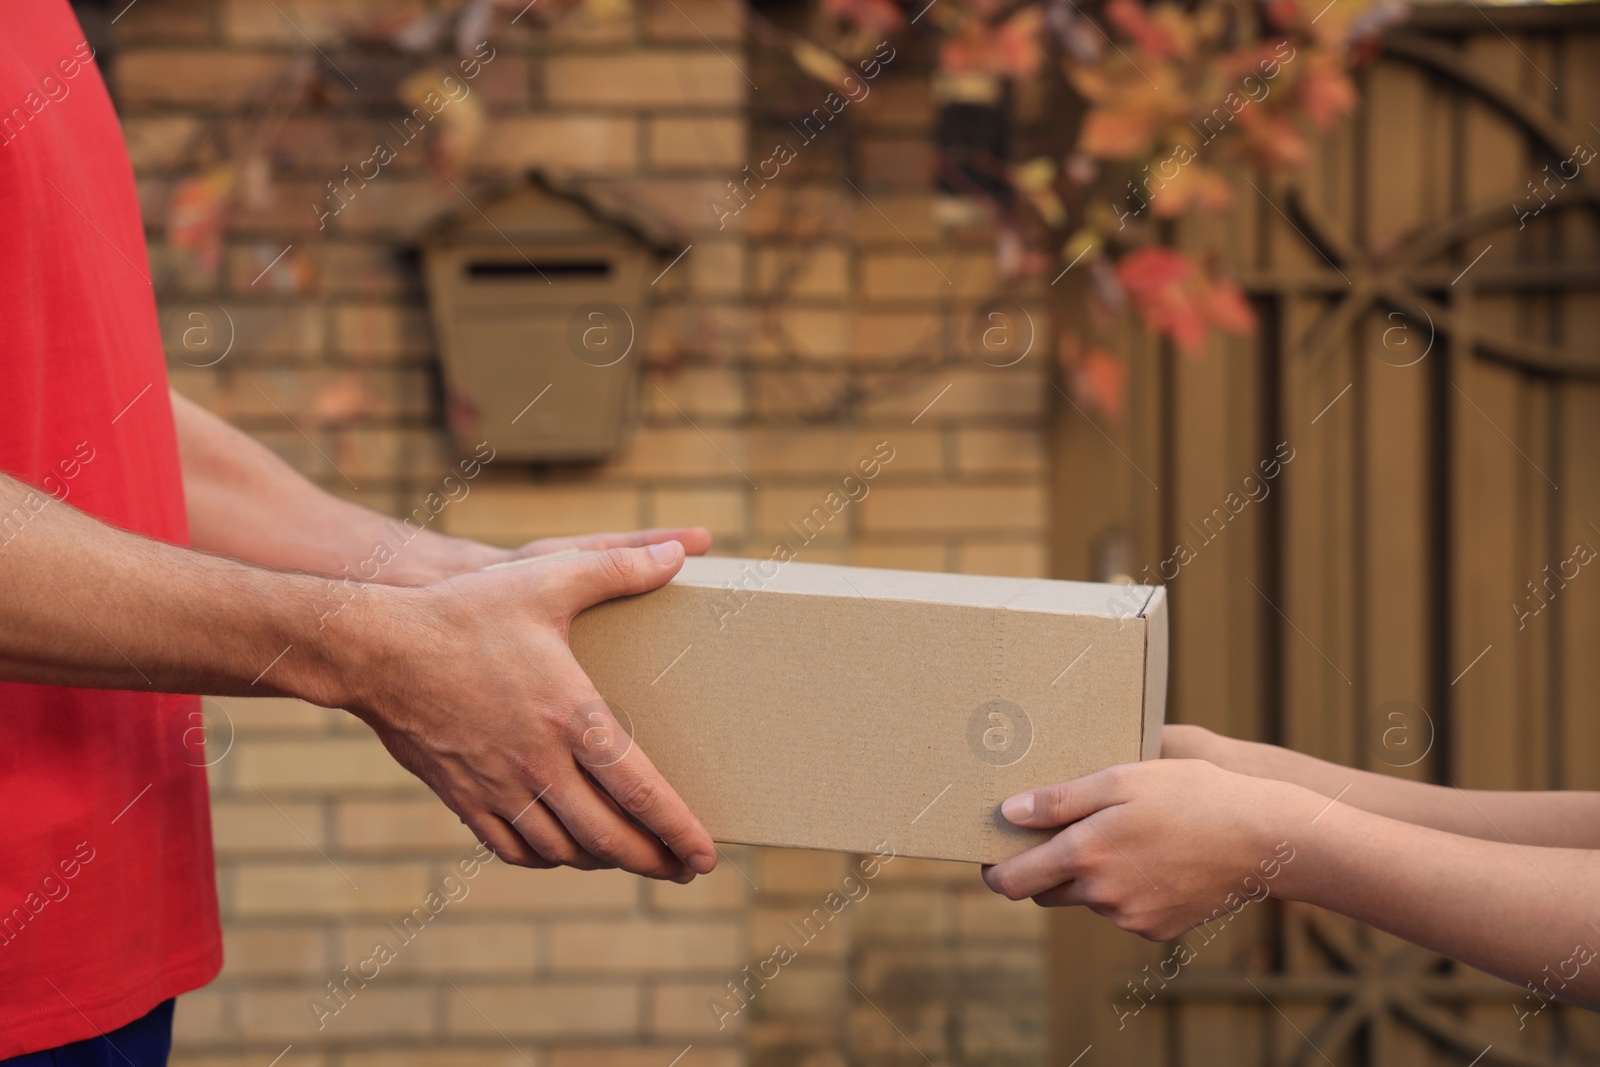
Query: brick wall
[818, 321]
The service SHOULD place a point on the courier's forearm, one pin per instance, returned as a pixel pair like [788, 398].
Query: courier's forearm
[1521, 912]
[1561, 819]
[93, 606]
[247, 503]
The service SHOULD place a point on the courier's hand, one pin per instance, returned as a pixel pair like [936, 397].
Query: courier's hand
[475, 692]
[694, 539]
[1155, 847]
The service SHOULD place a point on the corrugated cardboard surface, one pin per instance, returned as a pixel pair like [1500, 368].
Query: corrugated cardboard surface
[839, 708]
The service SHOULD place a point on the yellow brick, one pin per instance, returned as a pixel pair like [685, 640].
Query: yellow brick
[241, 330]
[641, 946]
[283, 22]
[317, 888]
[199, 1016]
[800, 517]
[449, 1057]
[899, 556]
[503, 889]
[378, 1010]
[578, 144]
[931, 275]
[253, 951]
[701, 393]
[722, 511]
[1011, 393]
[723, 890]
[513, 514]
[810, 394]
[792, 872]
[253, 825]
[889, 336]
[1013, 559]
[327, 765]
[905, 912]
[159, 141]
[699, 1056]
[810, 333]
[816, 270]
[543, 1009]
[784, 925]
[682, 1009]
[375, 330]
[697, 20]
[272, 715]
[164, 20]
[683, 451]
[928, 872]
[987, 451]
[805, 990]
[892, 219]
[984, 916]
[697, 143]
[447, 945]
[643, 79]
[958, 508]
[401, 825]
[838, 452]
[211, 78]
[716, 268]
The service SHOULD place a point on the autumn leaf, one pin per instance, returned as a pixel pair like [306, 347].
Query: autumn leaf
[1165, 32]
[1012, 49]
[1117, 133]
[1326, 90]
[195, 218]
[1100, 381]
[1225, 305]
[1195, 186]
[879, 18]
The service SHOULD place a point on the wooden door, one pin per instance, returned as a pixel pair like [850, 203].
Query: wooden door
[1427, 356]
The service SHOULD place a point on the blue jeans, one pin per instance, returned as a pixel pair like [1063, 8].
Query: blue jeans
[142, 1043]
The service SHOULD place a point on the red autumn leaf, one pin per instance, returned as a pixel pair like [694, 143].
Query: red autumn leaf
[1148, 271]
[879, 18]
[1166, 34]
[1100, 380]
[1225, 305]
[1116, 134]
[1013, 48]
[1326, 91]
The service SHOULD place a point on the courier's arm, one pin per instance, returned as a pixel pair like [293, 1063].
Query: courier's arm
[469, 683]
[1562, 819]
[1163, 846]
[247, 503]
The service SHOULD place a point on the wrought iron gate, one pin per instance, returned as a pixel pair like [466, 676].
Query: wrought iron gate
[1430, 296]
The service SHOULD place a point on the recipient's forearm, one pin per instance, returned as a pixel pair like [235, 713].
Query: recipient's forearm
[1566, 819]
[247, 503]
[1521, 912]
[89, 605]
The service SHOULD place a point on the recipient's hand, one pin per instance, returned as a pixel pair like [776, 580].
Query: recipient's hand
[1156, 847]
[475, 692]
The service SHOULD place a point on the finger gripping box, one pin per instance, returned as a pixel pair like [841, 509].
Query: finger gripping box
[816, 706]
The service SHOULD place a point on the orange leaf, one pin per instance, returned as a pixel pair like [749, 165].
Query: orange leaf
[1326, 90]
[1100, 380]
[1225, 305]
[1118, 133]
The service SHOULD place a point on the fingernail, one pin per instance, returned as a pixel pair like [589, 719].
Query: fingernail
[666, 551]
[703, 862]
[1017, 808]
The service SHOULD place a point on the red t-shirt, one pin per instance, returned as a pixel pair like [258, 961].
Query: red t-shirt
[108, 902]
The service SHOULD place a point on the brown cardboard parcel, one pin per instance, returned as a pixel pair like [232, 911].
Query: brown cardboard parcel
[843, 708]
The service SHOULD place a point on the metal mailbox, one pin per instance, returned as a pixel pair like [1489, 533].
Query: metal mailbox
[538, 300]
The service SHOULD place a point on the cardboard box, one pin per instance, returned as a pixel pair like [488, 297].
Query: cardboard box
[840, 708]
